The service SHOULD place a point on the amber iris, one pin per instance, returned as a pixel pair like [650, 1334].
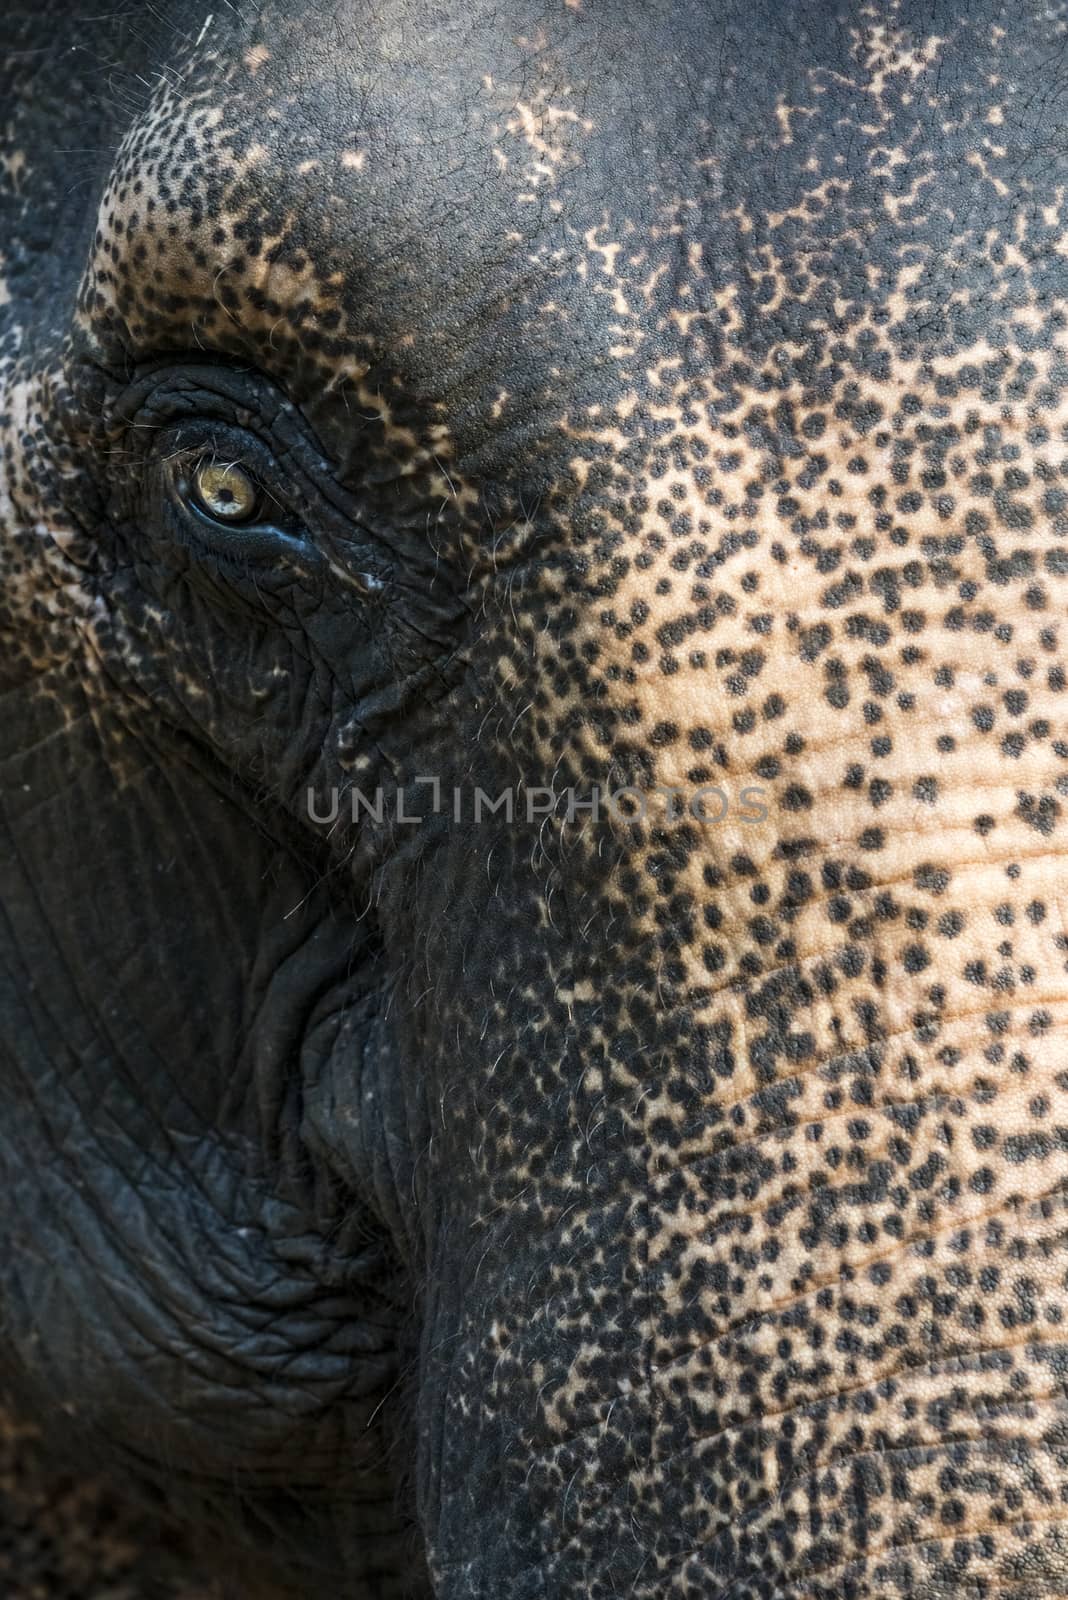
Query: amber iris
[225, 491]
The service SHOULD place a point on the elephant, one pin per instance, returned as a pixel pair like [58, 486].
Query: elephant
[533, 961]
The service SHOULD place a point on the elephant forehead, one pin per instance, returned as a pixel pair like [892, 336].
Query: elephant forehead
[329, 209]
[780, 409]
[558, 267]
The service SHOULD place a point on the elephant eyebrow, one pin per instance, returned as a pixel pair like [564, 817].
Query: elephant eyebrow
[273, 220]
[206, 239]
[193, 283]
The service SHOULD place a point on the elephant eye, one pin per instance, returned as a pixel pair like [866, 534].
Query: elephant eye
[226, 498]
[224, 491]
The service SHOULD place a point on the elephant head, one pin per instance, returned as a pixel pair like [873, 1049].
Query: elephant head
[532, 777]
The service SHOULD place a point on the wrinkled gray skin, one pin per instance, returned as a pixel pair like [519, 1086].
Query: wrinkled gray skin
[567, 1205]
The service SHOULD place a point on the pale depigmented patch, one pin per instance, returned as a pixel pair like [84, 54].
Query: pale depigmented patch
[256, 57]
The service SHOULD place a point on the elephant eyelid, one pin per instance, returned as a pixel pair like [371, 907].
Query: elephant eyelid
[295, 523]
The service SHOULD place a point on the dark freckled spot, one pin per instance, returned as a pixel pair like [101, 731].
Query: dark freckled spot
[932, 878]
[915, 958]
[814, 640]
[1037, 1145]
[1039, 812]
[796, 798]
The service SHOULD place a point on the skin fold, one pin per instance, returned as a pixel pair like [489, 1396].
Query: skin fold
[566, 1205]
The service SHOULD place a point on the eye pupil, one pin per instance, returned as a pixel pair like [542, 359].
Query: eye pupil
[225, 491]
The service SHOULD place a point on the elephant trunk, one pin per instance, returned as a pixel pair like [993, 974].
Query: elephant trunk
[743, 1385]
[783, 1319]
[751, 1280]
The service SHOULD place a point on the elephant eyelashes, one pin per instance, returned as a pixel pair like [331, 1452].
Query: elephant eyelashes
[225, 492]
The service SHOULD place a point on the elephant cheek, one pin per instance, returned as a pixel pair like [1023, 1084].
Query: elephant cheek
[864, 1416]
